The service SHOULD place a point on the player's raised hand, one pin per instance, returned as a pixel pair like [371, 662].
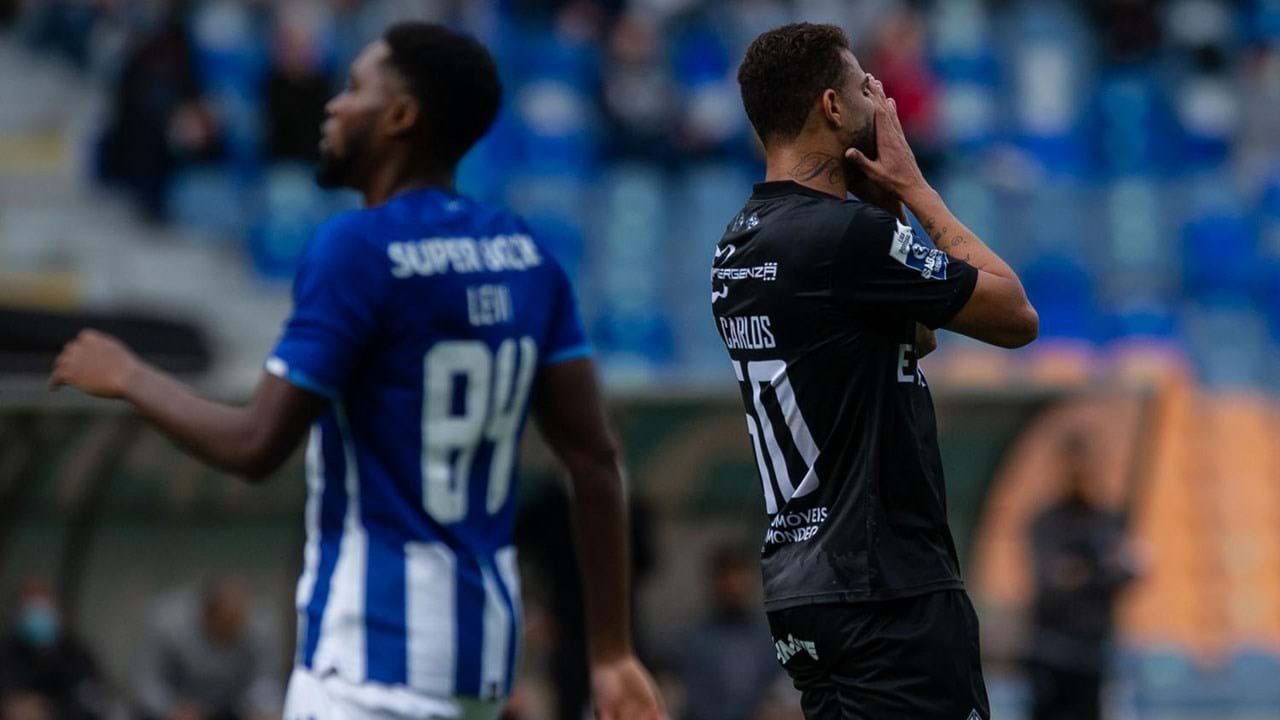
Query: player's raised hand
[623, 690]
[895, 168]
[95, 363]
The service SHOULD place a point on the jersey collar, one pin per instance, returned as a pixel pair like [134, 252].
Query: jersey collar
[778, 188]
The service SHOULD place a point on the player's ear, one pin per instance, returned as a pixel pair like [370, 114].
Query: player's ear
[403, 114]
[832, 109]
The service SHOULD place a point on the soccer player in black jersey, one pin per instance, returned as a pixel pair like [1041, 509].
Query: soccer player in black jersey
[825, 304]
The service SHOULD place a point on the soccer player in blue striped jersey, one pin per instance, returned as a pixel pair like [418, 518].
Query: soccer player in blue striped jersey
[425, 326]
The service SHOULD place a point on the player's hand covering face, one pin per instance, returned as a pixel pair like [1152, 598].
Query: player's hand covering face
[623, 690]
[894, 167]
[95, 363]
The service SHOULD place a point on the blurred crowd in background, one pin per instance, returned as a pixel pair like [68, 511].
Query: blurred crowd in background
[1122, 153]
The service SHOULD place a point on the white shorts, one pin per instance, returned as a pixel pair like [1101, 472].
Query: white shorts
[332, 698]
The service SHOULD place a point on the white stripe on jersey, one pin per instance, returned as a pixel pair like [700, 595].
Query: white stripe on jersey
[431, 592]
[497, 626]
[311, 551]
[342, 641]
[509, 573]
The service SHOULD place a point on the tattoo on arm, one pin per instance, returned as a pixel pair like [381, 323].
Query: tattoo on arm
[951, 246]
[816, 163]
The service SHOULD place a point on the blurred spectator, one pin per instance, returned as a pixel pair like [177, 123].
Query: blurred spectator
[160, 118]
[1082, 561]
[636, 91]
[61, 27]
[727, 662]
[1130, 29]
[8, 12]
[297, 90]
[46, 673]
[544, 528]
[205, 658]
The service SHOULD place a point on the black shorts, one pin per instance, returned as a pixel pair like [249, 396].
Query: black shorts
[913, 658]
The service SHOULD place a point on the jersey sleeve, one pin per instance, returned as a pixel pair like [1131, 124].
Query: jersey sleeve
[335, 295]
[883, 268]
[566, 339]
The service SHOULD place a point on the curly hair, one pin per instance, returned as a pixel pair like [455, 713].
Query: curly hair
[784, 71]
[455, 81]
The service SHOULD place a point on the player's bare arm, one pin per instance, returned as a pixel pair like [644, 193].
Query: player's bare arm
[251, 441]
[570, 413]
[999, 311]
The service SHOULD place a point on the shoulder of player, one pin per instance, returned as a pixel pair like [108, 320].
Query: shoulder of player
[863, 224]
[344, 232]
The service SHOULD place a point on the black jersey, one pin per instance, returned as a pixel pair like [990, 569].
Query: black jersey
[817, 299]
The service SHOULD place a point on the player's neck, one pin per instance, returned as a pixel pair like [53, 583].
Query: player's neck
[394, 179]
[813, 165]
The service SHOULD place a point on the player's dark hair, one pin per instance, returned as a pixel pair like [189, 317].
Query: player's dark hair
[455, 81]
[785, 70]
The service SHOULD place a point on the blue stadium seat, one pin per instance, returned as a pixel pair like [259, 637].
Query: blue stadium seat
[293, 207]
[1254, 677]
[1229, 342]
[708, 196]
[1142, 318]
[1063, 293]
[230, 47]
[625, 265]
[210, 198]
[1220, 256]
[1131, 129]
[1047, 41]
[1168, 681]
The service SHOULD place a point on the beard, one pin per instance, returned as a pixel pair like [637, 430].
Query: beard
[864, 140]
[340, 170]
[334, 171]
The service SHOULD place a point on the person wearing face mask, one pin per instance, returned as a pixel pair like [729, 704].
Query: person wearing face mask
[45, 671]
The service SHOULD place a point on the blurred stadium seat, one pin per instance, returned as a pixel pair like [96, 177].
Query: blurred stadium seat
[1127, 164]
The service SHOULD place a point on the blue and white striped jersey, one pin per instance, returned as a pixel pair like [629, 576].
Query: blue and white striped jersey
[424, 321]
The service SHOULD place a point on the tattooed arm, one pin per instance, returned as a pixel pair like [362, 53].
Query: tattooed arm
[951, 236]
[998, 311]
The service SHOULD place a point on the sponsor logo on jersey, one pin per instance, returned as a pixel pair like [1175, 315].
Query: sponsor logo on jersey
[720, 294]
[767, 272]
[744, 222]
[463, 255]
[790, 647]
[724, 253]
[794, 527]
[973, 715]
[931, 263]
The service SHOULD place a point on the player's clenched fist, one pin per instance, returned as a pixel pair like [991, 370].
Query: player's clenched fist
[95, 363]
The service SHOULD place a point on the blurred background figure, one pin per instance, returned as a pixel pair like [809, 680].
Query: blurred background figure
[726, 661]
[544, 538]
[208, 656]
[160, 119]
[156, 163]
[1082, 561]
[46, 673]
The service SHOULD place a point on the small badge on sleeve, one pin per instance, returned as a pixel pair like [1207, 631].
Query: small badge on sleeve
[931, 263]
